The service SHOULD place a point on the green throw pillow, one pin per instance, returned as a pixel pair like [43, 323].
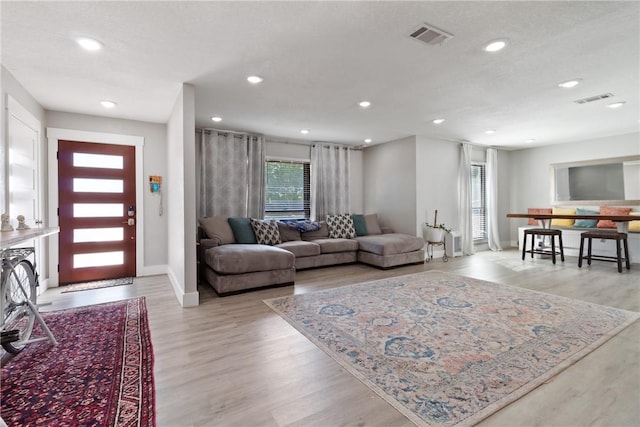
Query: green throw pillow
[586, 223]
[242, 230]
[359, 224]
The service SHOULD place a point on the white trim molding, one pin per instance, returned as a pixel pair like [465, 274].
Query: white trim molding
[56, 134]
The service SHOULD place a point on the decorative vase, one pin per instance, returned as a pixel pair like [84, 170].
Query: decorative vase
[434, 235]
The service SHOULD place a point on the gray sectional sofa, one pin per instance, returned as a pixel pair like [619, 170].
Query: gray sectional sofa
[231, 267]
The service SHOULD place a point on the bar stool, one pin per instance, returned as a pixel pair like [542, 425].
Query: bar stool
[534, 232]
[605, 235]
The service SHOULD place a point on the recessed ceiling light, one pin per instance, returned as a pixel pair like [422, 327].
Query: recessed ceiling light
[529, 141]
[304, 131]
[216, 118]
[367, 141]
[364, 104]
[437, 121]
[490, 131]
[108, 104]
[616, 104]
[570, 83]
[89, 44]
[254, 79]
[495, 46]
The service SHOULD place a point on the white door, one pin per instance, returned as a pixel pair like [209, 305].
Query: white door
[23, 131]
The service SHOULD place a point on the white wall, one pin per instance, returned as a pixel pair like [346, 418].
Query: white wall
[389, 172]
[529, 174]
[181, 199]
[436, 182]
[155, 163]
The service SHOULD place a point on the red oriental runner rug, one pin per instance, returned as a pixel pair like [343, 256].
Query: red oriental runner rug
[99, 374]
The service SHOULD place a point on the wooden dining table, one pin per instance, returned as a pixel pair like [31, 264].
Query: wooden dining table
[622, 221]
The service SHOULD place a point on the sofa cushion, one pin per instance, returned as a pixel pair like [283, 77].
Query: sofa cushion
[585, 223]
[533, 221]
[242, 230]
[359, 224]
[300, 248]
[322, 233]
[562, 222]
[287, 233]
[218, 228]
[247, 258]
[341, 226]
[609, 210]
[334, 245]
[390, 244]
[266, 231]
[371, 220]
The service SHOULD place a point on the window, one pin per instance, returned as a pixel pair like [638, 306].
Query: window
[287, 190]
[478, 202]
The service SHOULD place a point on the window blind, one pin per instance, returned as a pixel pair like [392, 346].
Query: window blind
[287, 190]
[478, 201]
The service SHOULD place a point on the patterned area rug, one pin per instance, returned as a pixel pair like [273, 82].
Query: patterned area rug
[96, 284]
[447, 350]
[99, 374]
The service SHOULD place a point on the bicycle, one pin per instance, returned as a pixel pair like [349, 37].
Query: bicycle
[18, 295]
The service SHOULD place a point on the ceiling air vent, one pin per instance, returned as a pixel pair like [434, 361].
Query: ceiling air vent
[594, 98]
[430, 35]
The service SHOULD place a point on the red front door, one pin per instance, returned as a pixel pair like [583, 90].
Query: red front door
[97, 213]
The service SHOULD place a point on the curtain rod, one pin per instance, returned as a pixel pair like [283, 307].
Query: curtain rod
[227, 131]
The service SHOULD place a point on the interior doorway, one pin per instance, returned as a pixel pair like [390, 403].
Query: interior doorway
[96, 211]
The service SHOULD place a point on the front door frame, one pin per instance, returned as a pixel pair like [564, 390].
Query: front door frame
[56, 134]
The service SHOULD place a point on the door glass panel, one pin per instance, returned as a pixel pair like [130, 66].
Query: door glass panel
[86, 185]
[102, 210]
[82, 235]
[98, 259]
[105, 161]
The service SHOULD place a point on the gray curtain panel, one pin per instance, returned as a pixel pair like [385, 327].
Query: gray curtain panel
[329, 180]
[231, 174]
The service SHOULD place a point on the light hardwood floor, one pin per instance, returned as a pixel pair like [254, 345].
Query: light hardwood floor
[233, 362]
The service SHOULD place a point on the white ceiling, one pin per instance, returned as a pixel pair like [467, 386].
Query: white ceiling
[319, 59]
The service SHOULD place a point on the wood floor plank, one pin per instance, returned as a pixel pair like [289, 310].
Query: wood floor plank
[233, 362]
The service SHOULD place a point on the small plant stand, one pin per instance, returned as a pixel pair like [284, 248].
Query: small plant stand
[435, 237]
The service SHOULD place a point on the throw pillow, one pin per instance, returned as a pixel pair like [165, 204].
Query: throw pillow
[302, 225]
[563, 222]
[635, 224]
[533, 221]
[242, 230]
[266, 231]
[217, 228]
[371, 221]
[609, 210]
[360, 224]
[586, 223]
[340, 226]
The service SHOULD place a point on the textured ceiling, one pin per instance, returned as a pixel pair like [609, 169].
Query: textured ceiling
[319, 59]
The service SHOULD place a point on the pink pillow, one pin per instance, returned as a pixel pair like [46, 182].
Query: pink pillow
[533, 221]
[608, 210]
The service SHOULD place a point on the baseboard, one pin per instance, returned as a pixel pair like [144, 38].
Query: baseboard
[186, 300]
[154, 270]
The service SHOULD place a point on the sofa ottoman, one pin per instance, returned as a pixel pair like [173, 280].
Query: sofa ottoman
[389, 250]
[237, 267]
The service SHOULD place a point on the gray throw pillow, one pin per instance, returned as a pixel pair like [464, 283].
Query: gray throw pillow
[372, 224]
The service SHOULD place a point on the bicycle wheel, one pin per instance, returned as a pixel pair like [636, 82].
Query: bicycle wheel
[17, 313]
